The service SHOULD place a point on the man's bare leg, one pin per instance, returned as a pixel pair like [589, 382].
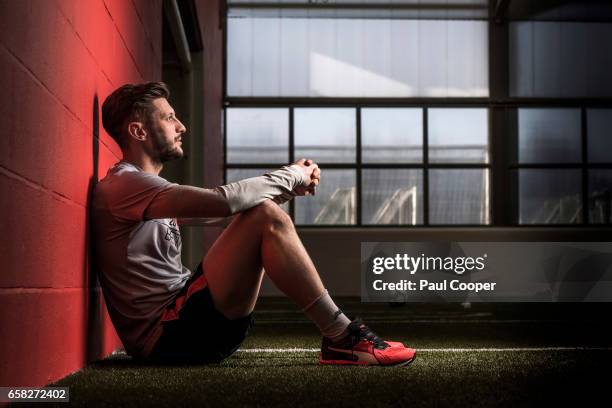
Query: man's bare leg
[264, 236]
[261, 237]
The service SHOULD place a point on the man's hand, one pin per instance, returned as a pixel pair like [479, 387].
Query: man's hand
[312, 172]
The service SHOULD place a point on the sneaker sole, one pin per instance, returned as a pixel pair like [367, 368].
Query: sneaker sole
[360, 363]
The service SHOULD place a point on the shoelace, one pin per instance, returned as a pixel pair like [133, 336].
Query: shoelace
[361, 331]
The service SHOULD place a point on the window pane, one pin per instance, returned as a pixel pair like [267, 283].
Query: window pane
[233, 175]
[334, 202]
[549, 135]
[459, 196]
[326, 135]
[599, 122]
[392, 135]
[257, 135]
[392, 196]
[549, 196]
[600, 196]
[458, 135]
[272, 55]
[560, 59]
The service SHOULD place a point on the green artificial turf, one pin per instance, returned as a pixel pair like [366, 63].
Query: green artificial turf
[438, 377]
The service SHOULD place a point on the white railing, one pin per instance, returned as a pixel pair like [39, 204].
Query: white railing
[400, 208]
[340, 209]
[601, 207]
[566, 210]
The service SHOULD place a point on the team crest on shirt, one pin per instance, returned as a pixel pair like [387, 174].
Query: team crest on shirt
[173, 232]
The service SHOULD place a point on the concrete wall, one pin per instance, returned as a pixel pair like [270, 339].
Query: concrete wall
[186, 94]
[58, 61]
[212, 39]
[197, 96]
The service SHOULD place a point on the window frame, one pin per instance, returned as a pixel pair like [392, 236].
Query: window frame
[583, 165]
[358, 165]
[502, 135]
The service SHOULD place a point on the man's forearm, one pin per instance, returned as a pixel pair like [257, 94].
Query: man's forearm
[193, 202]
[277, 185]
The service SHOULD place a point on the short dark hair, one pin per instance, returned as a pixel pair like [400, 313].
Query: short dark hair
[131, 101]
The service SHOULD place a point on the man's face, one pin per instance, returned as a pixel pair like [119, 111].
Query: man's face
[166, 133]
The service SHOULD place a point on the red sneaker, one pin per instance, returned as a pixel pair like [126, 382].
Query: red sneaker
[363, 347]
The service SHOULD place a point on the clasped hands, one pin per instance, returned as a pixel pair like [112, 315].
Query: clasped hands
[312, 171]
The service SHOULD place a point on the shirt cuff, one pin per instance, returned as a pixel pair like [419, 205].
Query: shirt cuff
[296, 169]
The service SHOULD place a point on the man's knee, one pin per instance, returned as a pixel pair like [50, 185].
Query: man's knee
[271, 215]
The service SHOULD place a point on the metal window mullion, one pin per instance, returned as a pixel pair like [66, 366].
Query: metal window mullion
[291, 156]
[585, 176]
[495, 139]
[401, 166]
[416, 102]
[357, 5]
[512, 143]
[225, 165]
[425, 168]
[546, 166]
[223, 26]
[358, 168]
[500, 176]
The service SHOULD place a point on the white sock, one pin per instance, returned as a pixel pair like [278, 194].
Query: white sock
[328, 317]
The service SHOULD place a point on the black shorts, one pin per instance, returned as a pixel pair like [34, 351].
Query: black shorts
[199, 334]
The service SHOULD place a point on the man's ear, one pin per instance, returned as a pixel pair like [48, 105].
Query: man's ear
[137, 131]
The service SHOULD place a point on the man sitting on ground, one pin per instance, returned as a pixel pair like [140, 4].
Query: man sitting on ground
[162, 312]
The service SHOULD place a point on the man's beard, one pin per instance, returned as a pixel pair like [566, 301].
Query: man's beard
[164, 151]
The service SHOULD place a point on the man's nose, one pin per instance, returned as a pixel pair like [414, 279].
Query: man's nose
[180, 128]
